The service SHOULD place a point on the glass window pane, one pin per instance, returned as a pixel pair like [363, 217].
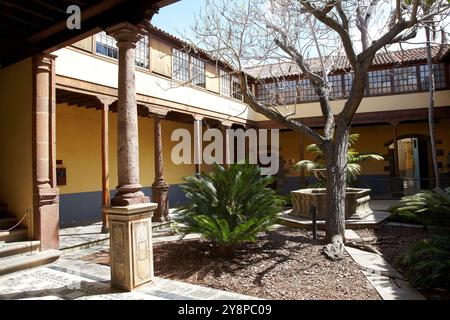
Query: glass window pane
[180, 68]
[106, 45]
[225, 83]
[142, 52]
[405, 79]
[198, 72]
[380, 82]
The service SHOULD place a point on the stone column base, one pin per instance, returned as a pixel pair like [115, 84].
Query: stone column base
[131, 251]
[46, 218]
[161, 197]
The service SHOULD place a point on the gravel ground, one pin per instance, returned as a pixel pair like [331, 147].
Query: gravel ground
[394, 242]
[282, 265]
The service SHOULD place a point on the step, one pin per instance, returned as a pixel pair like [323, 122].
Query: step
[14, 248]
[13, 235]
[7, 222]
[27, 261]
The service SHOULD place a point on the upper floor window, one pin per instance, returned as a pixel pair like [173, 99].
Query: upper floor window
[307, 91]
[380, 82]
[348, 83]
[106, 45]
[439, 76]
[142, 52]
[335, 83]
[180, 65]
[225, 83]
[198, 72]
[287, 92]
[266, 92]
[405, 79]
[236, 87]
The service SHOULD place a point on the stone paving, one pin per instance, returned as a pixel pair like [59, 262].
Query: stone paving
[389, 284]
[71, 278]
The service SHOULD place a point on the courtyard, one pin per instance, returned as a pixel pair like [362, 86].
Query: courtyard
[271, 150]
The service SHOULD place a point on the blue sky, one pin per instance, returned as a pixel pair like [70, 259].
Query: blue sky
[178, 17]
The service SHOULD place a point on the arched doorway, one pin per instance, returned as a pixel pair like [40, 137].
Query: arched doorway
[414, 162]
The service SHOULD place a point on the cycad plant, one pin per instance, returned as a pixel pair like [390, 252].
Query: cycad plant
[229, 206]
[428, 262]
[354, 159]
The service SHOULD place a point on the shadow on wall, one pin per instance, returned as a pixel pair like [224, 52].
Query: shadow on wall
[85, 208]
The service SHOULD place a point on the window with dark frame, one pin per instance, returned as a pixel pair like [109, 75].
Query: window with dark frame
[348, 83]
[336, 87]
[106, 45]
[439, 76]
[142, 52]
[236, 88]
[380, 82]
[225, 83]
[198, 72]
[180, 70]
[405, 79]
[307, 92]
[266, 92]
[287, 92]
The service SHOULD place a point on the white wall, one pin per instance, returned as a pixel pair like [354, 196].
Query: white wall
[77, 65]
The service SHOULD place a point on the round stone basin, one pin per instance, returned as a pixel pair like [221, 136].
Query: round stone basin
[356, 203]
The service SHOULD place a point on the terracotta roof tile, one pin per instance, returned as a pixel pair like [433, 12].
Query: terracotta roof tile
[341, 63]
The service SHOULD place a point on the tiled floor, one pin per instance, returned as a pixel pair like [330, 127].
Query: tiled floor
[71, 278]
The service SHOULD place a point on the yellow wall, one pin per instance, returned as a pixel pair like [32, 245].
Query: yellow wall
[372, 104]
[16, 189]
[372, 139]
[79, 147]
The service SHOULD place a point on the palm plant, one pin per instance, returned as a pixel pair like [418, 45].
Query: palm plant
[229, 206]
[431, 207]
[354, 159]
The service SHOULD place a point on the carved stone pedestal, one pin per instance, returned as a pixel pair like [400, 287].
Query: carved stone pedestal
[131, 249]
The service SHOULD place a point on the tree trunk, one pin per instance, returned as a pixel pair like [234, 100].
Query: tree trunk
[431, 108]
[336, 159]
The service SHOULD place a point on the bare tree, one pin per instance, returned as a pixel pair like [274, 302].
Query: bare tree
[248, 33]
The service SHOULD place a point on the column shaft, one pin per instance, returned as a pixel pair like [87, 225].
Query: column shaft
[160, 188]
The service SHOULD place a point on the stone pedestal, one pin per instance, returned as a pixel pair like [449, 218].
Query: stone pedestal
[131, 249]
[357, 203]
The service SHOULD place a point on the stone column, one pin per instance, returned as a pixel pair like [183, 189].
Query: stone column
[397, 181]
[45, 191]
[129, 188]
[130, 223]
[198, 145]
[160, 188]
[106, 201]
[226, 143]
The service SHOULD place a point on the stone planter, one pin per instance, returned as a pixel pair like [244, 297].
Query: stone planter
[356, 203]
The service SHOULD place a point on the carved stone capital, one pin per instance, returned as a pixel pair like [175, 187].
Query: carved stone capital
[157, 111]
[226, 124]
[106, 100]
[198, 117]
[125, 33]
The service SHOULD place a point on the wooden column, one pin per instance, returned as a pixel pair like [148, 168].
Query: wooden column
[45, 191]
[129, 190]
[198, 145]
[226, 143]
[395, 138]
[397, 181]
[303, 183]
[160, 188]
[106, 201]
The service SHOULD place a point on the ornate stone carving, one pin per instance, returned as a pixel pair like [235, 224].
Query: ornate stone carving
[131, 245]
